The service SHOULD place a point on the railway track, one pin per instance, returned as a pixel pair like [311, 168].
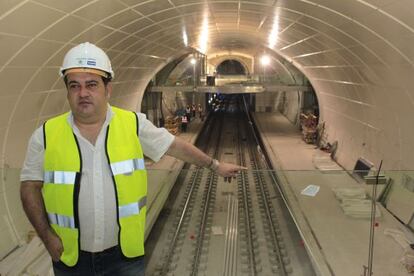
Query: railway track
[237, 228]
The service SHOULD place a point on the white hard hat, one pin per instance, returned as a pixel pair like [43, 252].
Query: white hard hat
[87, 57]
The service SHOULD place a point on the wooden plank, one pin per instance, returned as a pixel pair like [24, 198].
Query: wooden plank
[7, 264]
[32, 251]
[41, 266]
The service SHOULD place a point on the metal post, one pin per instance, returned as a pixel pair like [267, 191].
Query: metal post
[372, 229]
[194, 76]
[264, 74]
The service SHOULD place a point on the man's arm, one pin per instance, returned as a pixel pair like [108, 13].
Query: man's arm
[33, 205]
[189, 153]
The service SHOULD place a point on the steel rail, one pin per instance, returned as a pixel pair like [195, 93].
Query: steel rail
[207, 198]
[248, 227]
[267, 207]
[193, 185]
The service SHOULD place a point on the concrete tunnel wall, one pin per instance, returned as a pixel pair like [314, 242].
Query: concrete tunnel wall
[358, 55]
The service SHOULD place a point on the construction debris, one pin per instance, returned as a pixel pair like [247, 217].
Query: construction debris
[324, 163]
[408, 260]
[354, 203]
[359, 208]
[349, 193]
[172, 124]
[310, 190]
[405, 239]
[308, 124]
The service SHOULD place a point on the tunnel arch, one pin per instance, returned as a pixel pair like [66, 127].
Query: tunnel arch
[356, 54]
[217, 58]
[231, 67]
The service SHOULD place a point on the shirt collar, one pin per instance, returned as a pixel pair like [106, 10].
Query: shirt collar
[109, 114]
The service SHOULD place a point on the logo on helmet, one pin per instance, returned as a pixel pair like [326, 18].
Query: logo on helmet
[91, 62]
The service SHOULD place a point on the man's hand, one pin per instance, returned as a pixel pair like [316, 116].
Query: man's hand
[189, 153]
[53, 245]
[33, 205]
[229, 171]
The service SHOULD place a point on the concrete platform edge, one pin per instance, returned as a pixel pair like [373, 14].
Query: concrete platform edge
[319, 261]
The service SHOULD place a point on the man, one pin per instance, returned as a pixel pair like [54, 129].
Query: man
[188, 112]
[184, 123]
[84, 180]
[200, 112]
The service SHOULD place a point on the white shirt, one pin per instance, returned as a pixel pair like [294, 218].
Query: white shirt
[97, 204]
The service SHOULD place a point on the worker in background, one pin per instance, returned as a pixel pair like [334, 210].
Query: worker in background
[193, 110]
[84, 183]
[184, 122]
[200, 112]
[188, 112]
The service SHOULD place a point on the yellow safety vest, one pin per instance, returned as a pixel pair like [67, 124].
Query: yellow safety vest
[62, 175]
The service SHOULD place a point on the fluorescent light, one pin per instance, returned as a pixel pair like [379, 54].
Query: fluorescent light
[185, 37]
[274, 33]
[203, 39]
[265, 60]
[193, 61]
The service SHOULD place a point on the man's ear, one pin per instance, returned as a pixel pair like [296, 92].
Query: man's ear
[108, 90]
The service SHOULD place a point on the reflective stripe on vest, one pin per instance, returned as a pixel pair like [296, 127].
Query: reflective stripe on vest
[61, 220]
[126, 160]
[127, 166]
[132, 208]
[59, 177]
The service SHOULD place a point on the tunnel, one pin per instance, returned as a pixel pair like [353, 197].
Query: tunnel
[347, 64]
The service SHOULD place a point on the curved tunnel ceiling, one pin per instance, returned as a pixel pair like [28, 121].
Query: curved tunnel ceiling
[358, 54]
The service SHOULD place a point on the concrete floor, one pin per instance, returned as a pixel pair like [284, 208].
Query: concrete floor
[339, 243]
